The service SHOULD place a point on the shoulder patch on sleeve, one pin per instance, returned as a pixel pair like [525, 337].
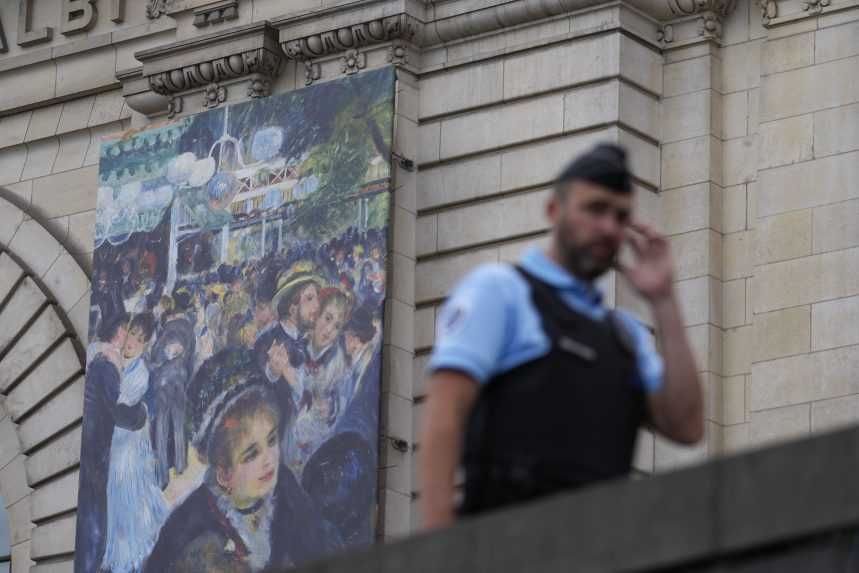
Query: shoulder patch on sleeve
[455, 316]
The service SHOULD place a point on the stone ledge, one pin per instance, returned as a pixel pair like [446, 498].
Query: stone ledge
[706, 514]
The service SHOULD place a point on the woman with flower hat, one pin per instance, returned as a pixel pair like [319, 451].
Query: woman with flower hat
[247, 496]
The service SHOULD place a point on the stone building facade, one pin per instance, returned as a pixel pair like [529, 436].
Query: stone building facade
[742, 120]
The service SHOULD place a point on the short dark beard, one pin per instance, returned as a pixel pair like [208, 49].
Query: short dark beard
[579, 262]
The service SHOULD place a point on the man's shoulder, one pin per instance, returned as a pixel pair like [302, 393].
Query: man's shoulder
[497, 278]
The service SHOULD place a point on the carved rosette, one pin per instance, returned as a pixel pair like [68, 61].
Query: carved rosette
[261, 63]
[710, 12]
[398, 54]
[352, 62]
[214, 95]
[401, 27]
[259, 87]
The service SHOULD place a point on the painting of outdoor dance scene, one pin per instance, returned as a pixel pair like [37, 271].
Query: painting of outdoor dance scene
[232, 387]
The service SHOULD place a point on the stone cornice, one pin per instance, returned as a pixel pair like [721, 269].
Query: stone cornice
[399, 27]
[424, 30]
[207, 63]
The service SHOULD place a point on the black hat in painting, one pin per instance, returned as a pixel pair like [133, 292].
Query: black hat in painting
[218, 384]
[604, 165]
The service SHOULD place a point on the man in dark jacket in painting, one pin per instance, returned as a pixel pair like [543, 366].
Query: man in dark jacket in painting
[173, 358]
[283, 344]
[120, 342]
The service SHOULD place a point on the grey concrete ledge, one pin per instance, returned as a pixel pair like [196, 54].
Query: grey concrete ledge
[778, 497]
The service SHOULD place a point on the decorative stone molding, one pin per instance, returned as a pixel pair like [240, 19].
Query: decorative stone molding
[312, 72]
[174, 106]
[353, 61]
[249, 53]
[216, 13]
[156, 8]
[140, 98]
[259, 87]
[710, 13]
[815, 5]
[400, 27]
[398, 54]
[769, 10]
[665, 34]
[214, 95]
[4, 45]
[301, 38]
[258, 61]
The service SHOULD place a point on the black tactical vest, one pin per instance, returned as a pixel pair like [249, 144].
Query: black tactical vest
[562, 421]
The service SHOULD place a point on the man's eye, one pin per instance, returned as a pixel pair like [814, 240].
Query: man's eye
[272, 440]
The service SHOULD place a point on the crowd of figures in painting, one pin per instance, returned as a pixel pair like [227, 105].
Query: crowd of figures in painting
[232, 387]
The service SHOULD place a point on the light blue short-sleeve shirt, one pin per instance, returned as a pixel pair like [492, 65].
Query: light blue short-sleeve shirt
[489, 324]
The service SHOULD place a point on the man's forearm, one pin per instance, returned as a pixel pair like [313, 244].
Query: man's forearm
[680, 415]
[450, 399]
[439, 456]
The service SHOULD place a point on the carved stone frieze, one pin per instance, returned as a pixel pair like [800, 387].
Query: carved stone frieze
[400, 27]
[208, 65]
[257, 61]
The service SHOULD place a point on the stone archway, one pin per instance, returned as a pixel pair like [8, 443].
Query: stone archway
[44, 313]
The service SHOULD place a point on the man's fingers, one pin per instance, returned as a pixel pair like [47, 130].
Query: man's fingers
[643, 228]
[636, 241]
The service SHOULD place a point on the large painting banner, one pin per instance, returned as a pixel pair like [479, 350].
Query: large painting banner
[232, 387]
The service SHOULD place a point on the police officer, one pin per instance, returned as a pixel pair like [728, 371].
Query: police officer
[535, 386]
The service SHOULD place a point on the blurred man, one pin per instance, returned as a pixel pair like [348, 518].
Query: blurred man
[535, 386]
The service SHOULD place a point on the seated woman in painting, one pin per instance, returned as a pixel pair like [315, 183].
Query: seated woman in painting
[248, 498]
